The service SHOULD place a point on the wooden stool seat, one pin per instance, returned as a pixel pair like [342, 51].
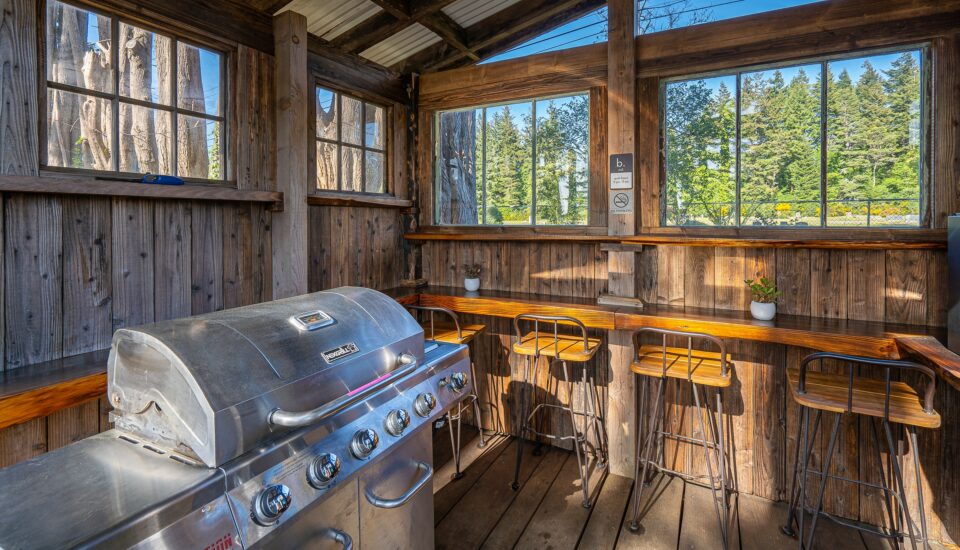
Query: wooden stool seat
[829, 392]
[571, 348]
[447, 332]
[703, 367]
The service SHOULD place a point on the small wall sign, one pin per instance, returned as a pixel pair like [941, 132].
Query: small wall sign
[621, 171]
[621, 202]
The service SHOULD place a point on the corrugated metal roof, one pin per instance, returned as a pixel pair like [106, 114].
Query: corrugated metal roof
[468, 12]
[329, 19]
[401, 45]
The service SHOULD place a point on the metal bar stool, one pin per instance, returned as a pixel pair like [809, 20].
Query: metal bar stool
[888, 403]
[562, 348]
[450, 331]
[703, 370]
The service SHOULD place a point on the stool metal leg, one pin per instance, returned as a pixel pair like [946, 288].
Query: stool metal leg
[709, 461]
[599, 425]
[887, 493]
[455, 443]
[476, 404]
[912, 432]
[578, 449]
[809, 437]
[644, 443]
[521, 420]
[824, 471]
[787, 529]
[900, 494]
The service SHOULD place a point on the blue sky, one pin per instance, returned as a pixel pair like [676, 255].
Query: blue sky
[592, 28]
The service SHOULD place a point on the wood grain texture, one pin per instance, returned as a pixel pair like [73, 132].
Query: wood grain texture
[206, 278]
[18, 98]
[173, 243]
[87, 275]
[132, 241]
[37, 403]
[238, 262]
[290, 264]
[255, 129]
[34, 278]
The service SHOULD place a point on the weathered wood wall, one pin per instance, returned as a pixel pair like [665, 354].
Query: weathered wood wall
[75, 268]
[355, 246]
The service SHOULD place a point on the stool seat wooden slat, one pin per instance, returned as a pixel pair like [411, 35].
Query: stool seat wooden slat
[704, 367]
[571, 347]
[447, 332]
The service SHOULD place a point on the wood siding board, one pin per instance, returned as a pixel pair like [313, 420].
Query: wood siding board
[87, 275]
[793, 280]
[865, 296]
[263, 254]
[132, 242]
[34, 279]
[19, 151]
[828, 283]
[238, 257]
[945, 168]
[23, 441]
[906, 286]
[173, 243]
[70, 425]
[206, 279]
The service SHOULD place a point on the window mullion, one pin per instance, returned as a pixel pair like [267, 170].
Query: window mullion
[115, 104]
[736, 200]
[339, 149]
[363, 146]
[533, 169]
[823, 144]
[175, 103]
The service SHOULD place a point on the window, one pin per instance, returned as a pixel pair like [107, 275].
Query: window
[351, 144]
[523, 163]
[661, 15]
[154, 104]
[829, 143]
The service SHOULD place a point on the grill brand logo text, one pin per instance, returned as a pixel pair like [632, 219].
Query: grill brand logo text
[339, 352]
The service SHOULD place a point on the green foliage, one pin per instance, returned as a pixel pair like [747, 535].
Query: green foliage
[763, 290]
[472, 271]
[873, 147]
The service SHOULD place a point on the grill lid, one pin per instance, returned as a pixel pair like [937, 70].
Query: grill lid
[207, 385]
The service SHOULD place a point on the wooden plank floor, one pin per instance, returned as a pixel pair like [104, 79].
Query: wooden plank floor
[481, 511]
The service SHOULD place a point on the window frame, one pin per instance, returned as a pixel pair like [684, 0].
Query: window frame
[176, 36]
[435, 151]
[925, 145]
[364, 149]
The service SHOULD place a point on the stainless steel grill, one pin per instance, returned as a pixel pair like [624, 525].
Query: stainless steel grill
[299, 422]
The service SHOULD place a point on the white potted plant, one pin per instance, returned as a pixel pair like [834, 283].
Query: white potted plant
[471, 277]
[764, 294]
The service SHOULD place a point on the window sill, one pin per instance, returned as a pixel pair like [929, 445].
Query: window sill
[571, 234]
[340, 198]
[96, 187]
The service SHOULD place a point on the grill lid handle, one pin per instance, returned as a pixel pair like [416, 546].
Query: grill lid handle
[406, 362]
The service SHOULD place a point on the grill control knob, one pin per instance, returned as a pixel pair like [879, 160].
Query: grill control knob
[364, 443]
[322, 470]
[458, 381]
[425, 403]
[270, 504]
[397, 421]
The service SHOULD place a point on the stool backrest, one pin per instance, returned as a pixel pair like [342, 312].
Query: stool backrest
[555, 321]
[886, 364]
[434, 310]
[690, 336]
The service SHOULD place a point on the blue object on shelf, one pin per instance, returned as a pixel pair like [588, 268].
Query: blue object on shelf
[161, 180]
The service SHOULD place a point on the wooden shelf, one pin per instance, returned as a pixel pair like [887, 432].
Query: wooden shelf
[38, 390]
[338, 198]
[95, 187]
[884, 241]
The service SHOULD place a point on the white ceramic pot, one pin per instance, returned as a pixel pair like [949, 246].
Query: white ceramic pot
[763, 312]
[472, 285]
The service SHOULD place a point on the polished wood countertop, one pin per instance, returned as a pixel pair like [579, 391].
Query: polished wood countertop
[867, 338]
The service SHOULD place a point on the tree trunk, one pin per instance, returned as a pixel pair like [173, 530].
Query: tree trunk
[136, 52]
[458, 168]
[193, 158]
[66, 58]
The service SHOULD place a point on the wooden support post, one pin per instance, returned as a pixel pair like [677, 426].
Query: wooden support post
[289, 232]
[622, 265]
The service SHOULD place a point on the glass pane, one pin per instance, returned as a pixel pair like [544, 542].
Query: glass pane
[78, 47]
[146, 140]
[327, 154]
[374, 125]
[661, 15]
[79, 131]
[459, 185]
[873, 140]
[563, 135]
[198, 79]
[780, 147]
[374, 174]
[144, 65]
[198, 148]
[351, 169]
[700, 127]
[509, 164]
[352, 131]
[326, 114]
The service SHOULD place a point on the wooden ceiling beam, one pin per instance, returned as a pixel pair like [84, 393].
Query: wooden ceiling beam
[506, 28]
[374, 30]
[397, 15]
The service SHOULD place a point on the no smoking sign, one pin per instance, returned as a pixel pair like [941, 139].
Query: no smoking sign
[621, 202]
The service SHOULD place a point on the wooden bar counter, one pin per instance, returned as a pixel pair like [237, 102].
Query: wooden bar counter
[867, 338]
